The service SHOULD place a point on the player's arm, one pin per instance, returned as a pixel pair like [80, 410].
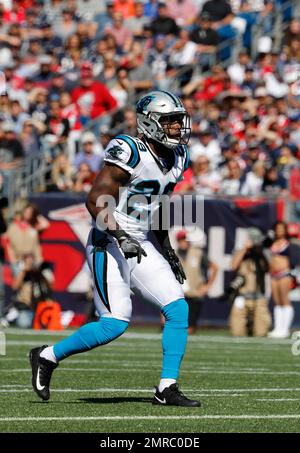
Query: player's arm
[239, 256]
[163, 239]
[212, 273]
[108, 182]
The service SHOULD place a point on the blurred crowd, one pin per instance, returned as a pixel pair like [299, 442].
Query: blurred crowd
[263, 261]
[71, 72]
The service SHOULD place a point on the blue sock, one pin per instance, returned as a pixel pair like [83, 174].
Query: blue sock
[90, 336]
[174, 337]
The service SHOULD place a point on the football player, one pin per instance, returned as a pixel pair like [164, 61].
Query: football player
[119, 254]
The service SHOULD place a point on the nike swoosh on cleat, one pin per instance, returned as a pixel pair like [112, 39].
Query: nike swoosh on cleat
[38, 386]
[120, 142]
[161, 401]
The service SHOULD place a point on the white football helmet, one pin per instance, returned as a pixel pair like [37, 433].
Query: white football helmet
[156, 112]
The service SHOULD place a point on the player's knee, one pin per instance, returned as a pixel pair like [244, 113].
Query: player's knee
[112, 327]
[177, 313]
[97, 333]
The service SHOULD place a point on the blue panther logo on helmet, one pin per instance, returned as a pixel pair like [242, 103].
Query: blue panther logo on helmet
[143, 102]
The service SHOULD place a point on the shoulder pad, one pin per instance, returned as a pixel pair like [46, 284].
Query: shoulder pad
[123, 149]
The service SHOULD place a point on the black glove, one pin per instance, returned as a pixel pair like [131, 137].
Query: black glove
[131, 247]
[175, 263]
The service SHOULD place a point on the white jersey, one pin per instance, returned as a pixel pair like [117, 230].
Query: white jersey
[148, 178]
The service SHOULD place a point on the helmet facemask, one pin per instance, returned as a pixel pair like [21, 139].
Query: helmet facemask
[176, 129]
[171, 129]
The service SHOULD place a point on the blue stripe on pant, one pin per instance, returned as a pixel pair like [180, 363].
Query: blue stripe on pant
[100, 276]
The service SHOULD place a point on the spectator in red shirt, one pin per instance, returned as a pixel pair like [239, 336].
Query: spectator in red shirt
[92, 97]
[126, 7]
[187, 183]
[84, 178]
[295, 189]
[15, 15]
[213, 85]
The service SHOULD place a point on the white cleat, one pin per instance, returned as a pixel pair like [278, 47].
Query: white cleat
[278, 334]
[284, 334]
[273, 334]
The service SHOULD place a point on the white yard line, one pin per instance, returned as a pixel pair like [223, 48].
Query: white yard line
[4, 386]
[139, 361]
[135, 363]
[21, 343]
[213, 339]
[118, 358]
[132, 345]
[250, 390]
[29, 332]
[157, 336]
[153, 417]
[70, 390]
[127, 392]
[277, 399]
[38, 341]
[142, 369]
[150, 390]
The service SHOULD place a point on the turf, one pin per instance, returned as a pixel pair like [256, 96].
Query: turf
[245, 385]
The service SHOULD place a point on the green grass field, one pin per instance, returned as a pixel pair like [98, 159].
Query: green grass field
[245, 385]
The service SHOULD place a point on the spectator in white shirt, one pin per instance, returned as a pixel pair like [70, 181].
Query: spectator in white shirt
[254, 179]
[183, 51]
[231, 183]
[236, 70]
[205, 180]
[207, 146]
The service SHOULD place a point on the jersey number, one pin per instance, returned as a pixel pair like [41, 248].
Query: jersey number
[147, 189]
